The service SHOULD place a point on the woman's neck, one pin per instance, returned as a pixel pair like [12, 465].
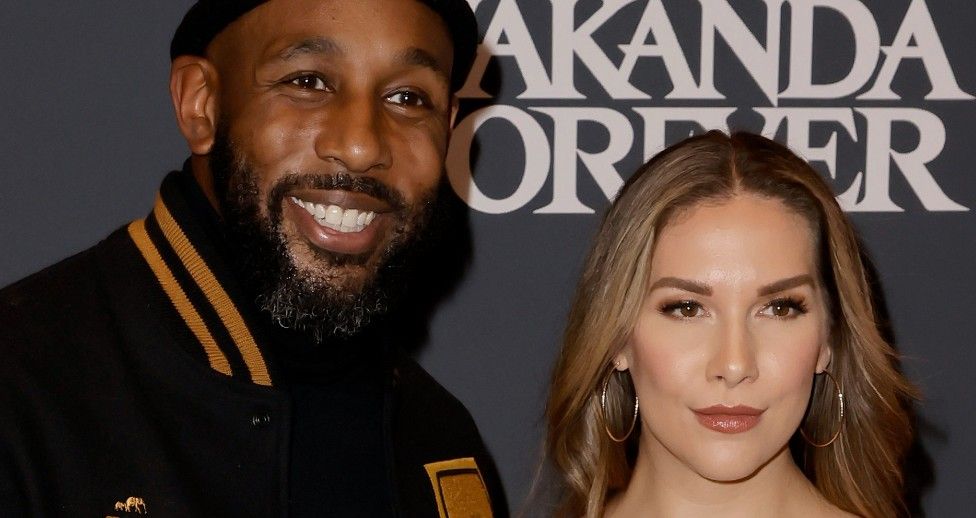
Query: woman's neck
[663, 486]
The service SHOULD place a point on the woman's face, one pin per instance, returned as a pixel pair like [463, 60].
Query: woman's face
[729, 337]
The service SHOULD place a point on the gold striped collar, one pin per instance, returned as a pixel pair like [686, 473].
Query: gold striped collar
[183, 277]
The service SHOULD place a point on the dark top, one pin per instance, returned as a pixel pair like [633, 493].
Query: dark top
[136, 379]
[328, 384]
[336, 391]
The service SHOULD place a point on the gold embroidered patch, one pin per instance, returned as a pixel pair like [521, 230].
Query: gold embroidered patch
[459, 489]
[133, 504]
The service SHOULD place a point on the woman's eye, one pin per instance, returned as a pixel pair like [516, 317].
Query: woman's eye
[784, 308]
[408, 98]
[309, 82]
[683, 309]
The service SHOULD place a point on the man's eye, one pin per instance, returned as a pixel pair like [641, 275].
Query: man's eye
[407, 98]
[309, 82]
[784, 308]
[683, 309]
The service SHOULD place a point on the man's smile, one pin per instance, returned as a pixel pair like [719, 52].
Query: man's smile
[339, 221]
[335, 217]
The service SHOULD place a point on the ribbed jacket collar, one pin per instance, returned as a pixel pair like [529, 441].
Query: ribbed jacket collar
[183, 245]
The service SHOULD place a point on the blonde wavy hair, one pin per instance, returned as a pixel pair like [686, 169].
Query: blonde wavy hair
[860, 472]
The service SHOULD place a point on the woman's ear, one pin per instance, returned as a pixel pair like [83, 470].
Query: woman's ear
[823, 360]
[621, 361]
[193, 85]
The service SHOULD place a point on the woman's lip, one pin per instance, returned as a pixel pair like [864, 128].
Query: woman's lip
[742, 410]
[728, 419]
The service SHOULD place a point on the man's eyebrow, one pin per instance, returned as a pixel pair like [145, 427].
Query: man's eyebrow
[785, 284]
[682, 284]
[418, 57]
[311, 46]
[412, 56]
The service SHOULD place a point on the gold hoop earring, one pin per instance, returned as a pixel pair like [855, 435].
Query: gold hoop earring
[840, 423]
[603, 407]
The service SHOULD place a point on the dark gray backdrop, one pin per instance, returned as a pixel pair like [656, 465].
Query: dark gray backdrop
[87, 133]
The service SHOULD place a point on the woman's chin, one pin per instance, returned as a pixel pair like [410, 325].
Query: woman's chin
[728, 465]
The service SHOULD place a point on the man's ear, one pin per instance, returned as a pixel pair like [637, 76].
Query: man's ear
[455, 102]
[193, 85]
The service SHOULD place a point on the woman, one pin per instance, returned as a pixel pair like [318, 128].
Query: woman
[722, 353]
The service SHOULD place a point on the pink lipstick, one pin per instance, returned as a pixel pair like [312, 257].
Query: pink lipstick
[728, 419]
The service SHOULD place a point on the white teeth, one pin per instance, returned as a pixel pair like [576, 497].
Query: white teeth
[349, 217]
[335, 217]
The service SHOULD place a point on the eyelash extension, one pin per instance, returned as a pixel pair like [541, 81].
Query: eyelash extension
[795, 303]
[670, 307]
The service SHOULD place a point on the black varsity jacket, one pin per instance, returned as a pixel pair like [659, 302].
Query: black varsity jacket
[133, 383]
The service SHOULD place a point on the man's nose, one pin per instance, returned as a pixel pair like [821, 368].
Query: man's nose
[734, 357]
[354, 135]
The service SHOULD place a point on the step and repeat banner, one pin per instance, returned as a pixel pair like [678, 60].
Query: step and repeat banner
[566, 99]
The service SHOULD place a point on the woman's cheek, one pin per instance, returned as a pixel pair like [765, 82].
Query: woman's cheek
[666, 356]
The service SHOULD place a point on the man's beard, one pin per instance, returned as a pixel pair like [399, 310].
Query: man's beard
[317, 299]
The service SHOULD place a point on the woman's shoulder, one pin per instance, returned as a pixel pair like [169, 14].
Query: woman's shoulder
[829, 510]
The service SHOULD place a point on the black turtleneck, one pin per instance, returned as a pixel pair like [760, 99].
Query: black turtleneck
[338, 458]
[338, 454]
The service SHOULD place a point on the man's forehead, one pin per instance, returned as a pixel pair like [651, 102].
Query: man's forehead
[289, 49]
[405, 53]
[208, 18]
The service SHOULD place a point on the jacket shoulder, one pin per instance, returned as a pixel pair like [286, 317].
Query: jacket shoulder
[415, 382]
[435, 434]
[62, 316]
[55, 296]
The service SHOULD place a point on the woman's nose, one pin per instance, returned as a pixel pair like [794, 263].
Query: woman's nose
[734, 358]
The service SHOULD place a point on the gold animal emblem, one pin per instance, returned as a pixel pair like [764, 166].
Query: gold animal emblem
[133, 504]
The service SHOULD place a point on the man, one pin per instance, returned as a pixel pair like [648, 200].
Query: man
[228, 355]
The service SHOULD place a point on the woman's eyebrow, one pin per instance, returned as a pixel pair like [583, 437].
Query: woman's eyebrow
[785, 284]
[682, 284]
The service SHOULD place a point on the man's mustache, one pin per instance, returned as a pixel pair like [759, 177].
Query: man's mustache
[335, 182]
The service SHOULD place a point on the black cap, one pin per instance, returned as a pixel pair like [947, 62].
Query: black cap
[207, 18]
